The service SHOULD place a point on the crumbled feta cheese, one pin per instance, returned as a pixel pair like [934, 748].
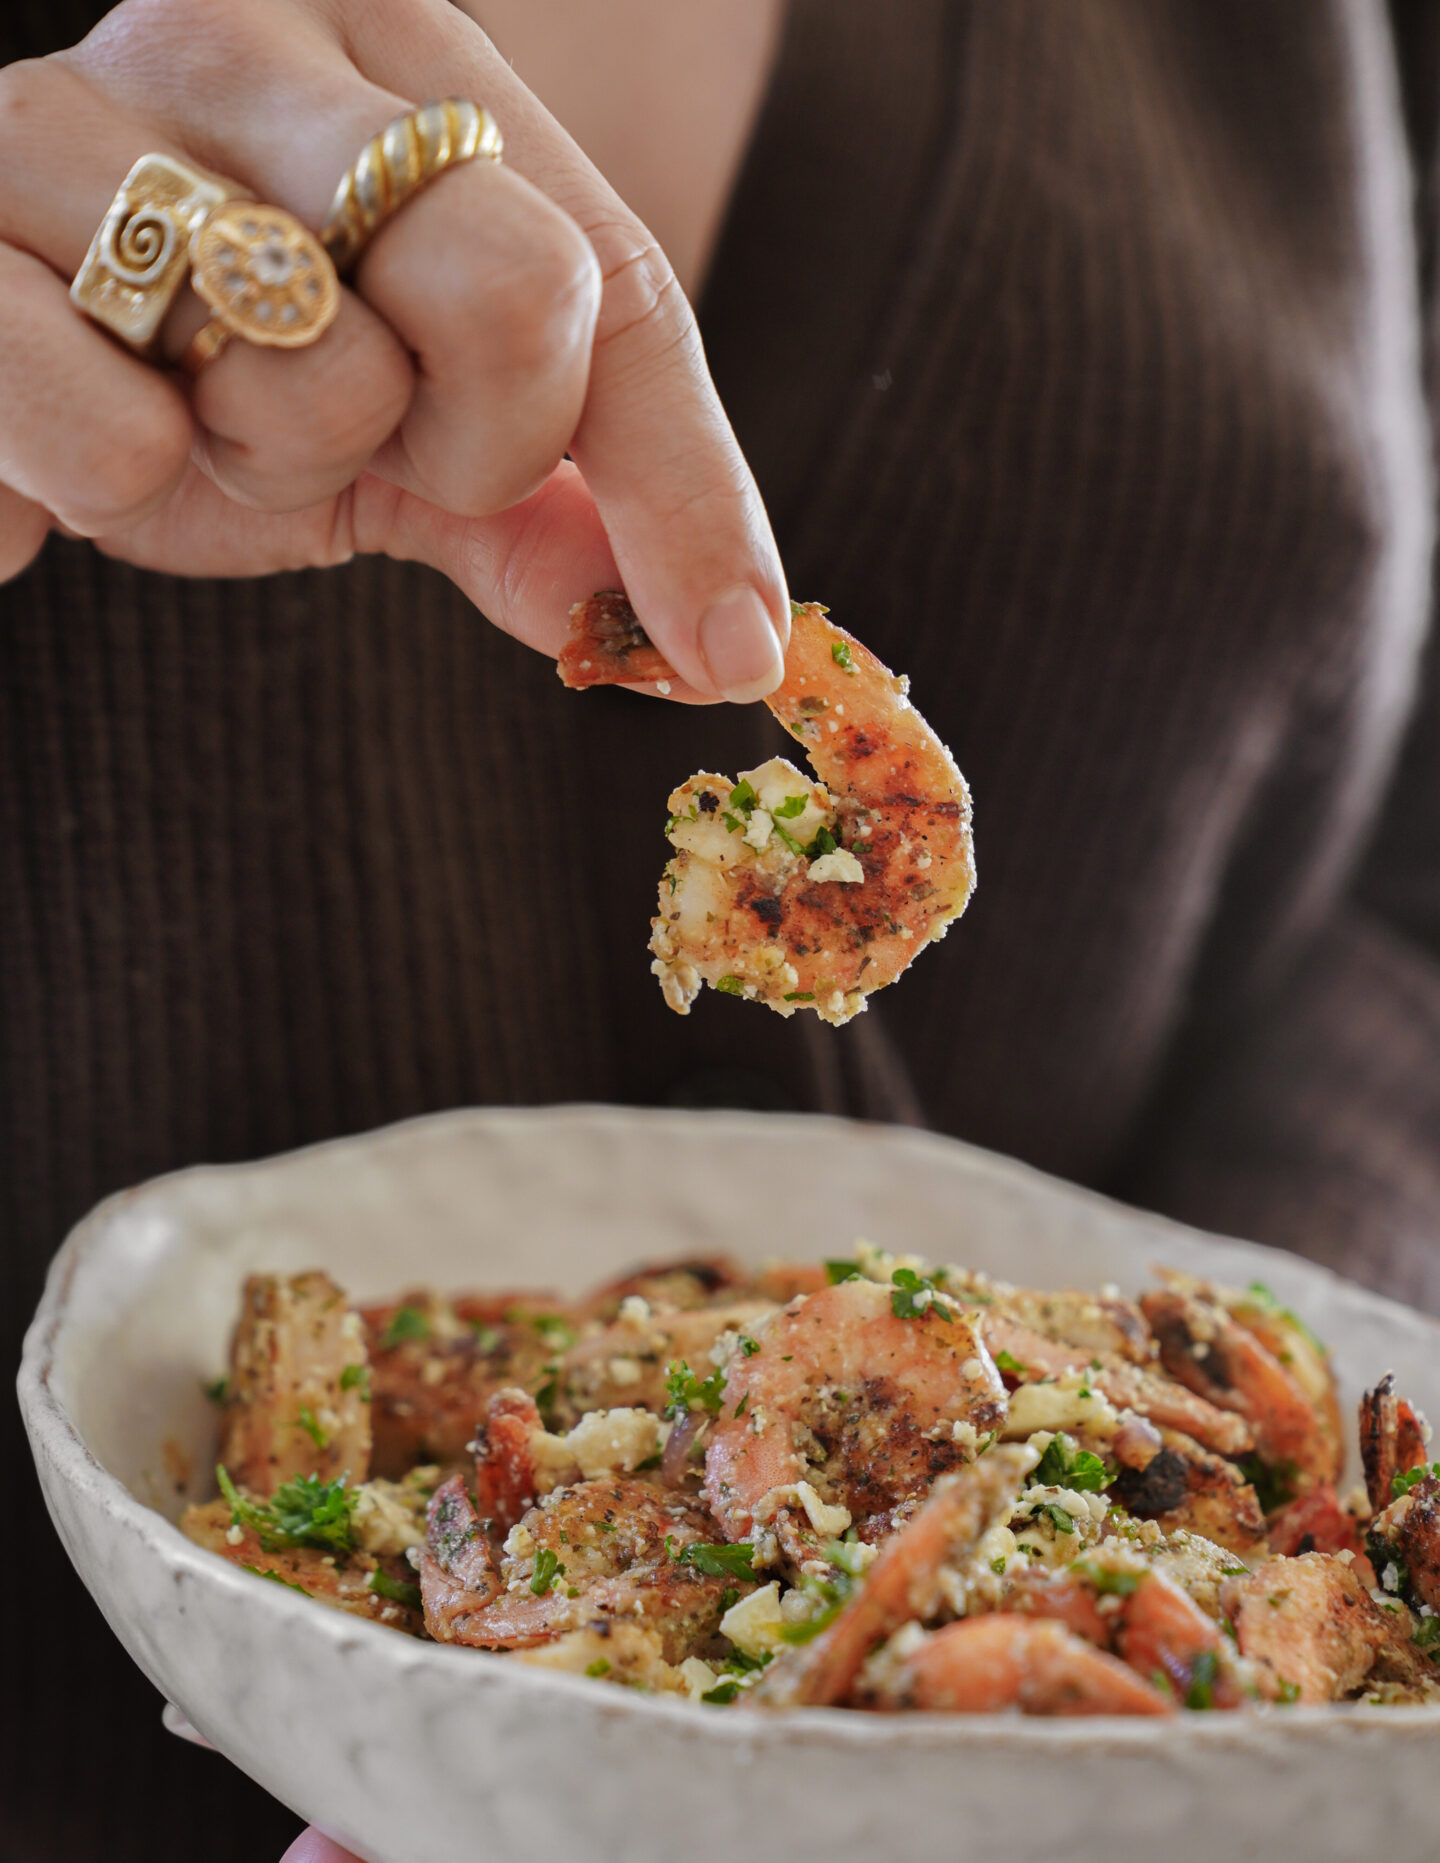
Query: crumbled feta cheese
[519, 1542]
[757, 829]
[829, 1521]
[841, 865]
[1068, 1403]
[626, 1371]
[755, 1623]
[634, 1311]
[1390, 1577]
[389, 1516]
[234, 1535]
[601, 1443]
[699, 1678]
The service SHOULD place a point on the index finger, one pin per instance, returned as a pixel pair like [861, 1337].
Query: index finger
[679, 505]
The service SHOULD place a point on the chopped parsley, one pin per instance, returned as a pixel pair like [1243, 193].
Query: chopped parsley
[838, 1271]
[1201, 1692]
[914, 1297]
[748, 1345]
[303, 1512]
[743, 1405]
[722, 1694]
[1263, 1297]
[800, 996]
[1056, 1514]
[396, 1589]
[356, 1377]
[738, 1663]
[218, 1392]
[487, 1338]
[405, 1323]
[847, 1554]
[1288, 1692]
[311, 1427]
[1004, 1361]
[729, 984]
[743, 796]
[840, 654]
[1107, 1581]
[831, 1595]
[789, 808]
[824, 843]
[599, 1667]
[784, 834]
[1427, 1637]
[276, 1579]
[719, 1561]
[997, 1566]
[548, 1571]
[1066, 1465]
[558, 1334]
[548, 1394]
[1275, 1483]
[1402, 1484]
[685, 1392]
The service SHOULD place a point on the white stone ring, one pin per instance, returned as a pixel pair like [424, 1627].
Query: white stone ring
[266, 278]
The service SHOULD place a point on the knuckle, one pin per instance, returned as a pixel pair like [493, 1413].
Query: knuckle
[128, 464]
[539, 308]
[642, 296]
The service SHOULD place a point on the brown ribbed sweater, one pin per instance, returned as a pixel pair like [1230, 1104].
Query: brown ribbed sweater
[1085, 382]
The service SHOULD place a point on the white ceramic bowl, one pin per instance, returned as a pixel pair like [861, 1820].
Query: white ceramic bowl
[411, 1753]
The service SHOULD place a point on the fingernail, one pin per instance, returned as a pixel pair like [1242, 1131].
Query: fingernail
[740, 647]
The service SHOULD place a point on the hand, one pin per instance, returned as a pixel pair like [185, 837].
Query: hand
[507, 316]
[312, 1846]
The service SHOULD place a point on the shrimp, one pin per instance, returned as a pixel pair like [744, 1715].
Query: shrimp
[903, 1585]
[585, 1556]
[1143, 1616]
[1103, 1325]
[1185, 1486]
[1404, 1543]
[1393, 1439]
[629, 1361]
[1210, 1353]
[1312, 1631]
[298, 1401]
[360, 1583]
[983, 1665]
[1028, 1357]
[802, 894]
[1316, 1522]
[846, 1412]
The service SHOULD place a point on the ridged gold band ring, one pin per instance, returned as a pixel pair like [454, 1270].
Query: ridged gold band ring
[393, 167]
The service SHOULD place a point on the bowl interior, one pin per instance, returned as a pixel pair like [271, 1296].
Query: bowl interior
[141, 1303]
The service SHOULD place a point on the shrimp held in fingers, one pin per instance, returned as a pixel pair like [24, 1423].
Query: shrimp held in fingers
[790, 892]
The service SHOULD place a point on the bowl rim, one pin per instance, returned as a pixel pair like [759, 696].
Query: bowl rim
[56, 1438]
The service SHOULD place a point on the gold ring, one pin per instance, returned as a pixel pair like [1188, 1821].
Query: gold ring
[266, 278]
[138, 260]
[396, 164]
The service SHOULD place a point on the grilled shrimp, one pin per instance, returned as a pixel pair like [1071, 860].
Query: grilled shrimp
[1117, 1602]
[903, 1585]
[1100, 1324]
[1208, 1351]
[802, 894]
[586, 1556]
[1404, 1543]
[984, 1665]
[297, 1402]
[845, 1412]
[1393, 1439]
[1028, 1357]
[1312, 1631]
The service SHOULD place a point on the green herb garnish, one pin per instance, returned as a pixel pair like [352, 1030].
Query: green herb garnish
[1201, 1692]
[840, 654]
[1275, 1483]
[722, 1694]
[729, 984]
[396, 1589]
[276, 1579]
[303, 1512]
[559, 1334]
[685, 1392]
[599, 1667]
[719, 1561]
[548, 1571]
[311, 1427]
[405, 1323]
[824, 843]
[356, 1377]
[1004, 1361]
[838, 1271]
[914, 1297]
[218, 1392]
[1066, 1465]
[1427, 1637]
[743, 796]
[1107, 1581]
[1402, 1484]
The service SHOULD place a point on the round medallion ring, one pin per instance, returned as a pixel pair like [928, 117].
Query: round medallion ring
[265, 277]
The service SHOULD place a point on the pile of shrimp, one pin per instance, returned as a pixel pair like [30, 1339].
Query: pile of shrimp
[793, 893]
[873, 1483]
